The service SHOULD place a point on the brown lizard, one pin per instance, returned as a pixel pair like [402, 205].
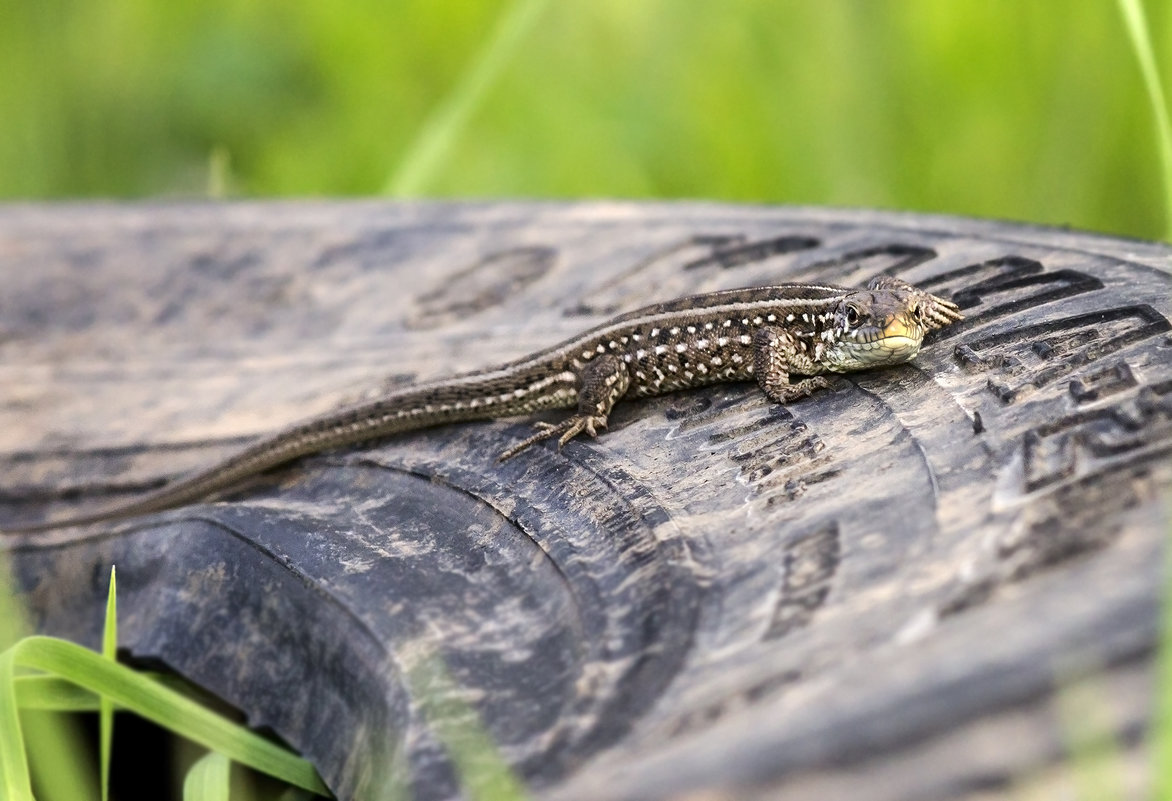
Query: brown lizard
[766, 333]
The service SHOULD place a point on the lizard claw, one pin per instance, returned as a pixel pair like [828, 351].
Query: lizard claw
[938, 312]
[935, 311]
[590, 423]
[567, 429]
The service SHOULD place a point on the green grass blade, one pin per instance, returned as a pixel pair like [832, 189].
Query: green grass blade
[1161, 735]
[51, 694]
[163, 706]
[106, 706]
[55, 754]
[434, 141]
[15, 782]
[1096, 756]
[219, 173]
[1141, 43]
[483, 774]
[208, 779]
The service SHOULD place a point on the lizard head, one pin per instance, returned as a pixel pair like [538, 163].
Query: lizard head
[882, 325]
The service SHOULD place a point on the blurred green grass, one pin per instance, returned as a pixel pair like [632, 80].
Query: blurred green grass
[1020, 109]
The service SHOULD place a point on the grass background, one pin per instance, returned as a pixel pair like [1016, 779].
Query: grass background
[1022, 109]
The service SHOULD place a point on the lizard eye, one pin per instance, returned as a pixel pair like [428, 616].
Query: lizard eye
[852, 316]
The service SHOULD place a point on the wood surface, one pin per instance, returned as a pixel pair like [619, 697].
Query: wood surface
[872, 593]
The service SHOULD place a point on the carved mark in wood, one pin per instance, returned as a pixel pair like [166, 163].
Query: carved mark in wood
[659, 268]
[1003, 286]
[715, 711]
[375, 247]
[1054, 534]
[487, 283]
[225, 266]
[1102, 383]
[772, 415]
[779, 458]
[695, 410]
[809, 565]
[672, 270]
[1028, 358]
[1090, 441]
[1074, 520]
[893, 259]
[738, 255]
[1085, 470]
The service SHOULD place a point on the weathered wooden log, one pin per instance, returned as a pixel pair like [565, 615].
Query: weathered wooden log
[870, 593]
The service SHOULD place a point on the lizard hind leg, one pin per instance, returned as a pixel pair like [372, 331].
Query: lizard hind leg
[601, 383]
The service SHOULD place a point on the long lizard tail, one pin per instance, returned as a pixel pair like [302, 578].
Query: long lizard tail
[408, 410]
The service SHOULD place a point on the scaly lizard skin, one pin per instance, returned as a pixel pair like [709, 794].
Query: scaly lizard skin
[768, 333]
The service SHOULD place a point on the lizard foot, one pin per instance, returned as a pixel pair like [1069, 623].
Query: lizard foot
[565, 431]
[786, 393]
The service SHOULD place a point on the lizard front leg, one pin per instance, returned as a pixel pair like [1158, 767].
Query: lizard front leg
[776, 354]
[601, 383]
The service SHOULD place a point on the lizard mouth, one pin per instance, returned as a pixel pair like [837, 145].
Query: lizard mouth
[898, 340]
[900, 327]
[901, 335]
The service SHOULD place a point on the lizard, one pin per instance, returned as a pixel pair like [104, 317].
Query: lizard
[769, 334]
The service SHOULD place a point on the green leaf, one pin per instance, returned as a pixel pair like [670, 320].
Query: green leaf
[151, 700]
[483, 774]
[1160, 749]
[51, 694]
[208, 779]
[54, 753]
[106, 706]
[429, 151]
[1141, 44]
[15, 783]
